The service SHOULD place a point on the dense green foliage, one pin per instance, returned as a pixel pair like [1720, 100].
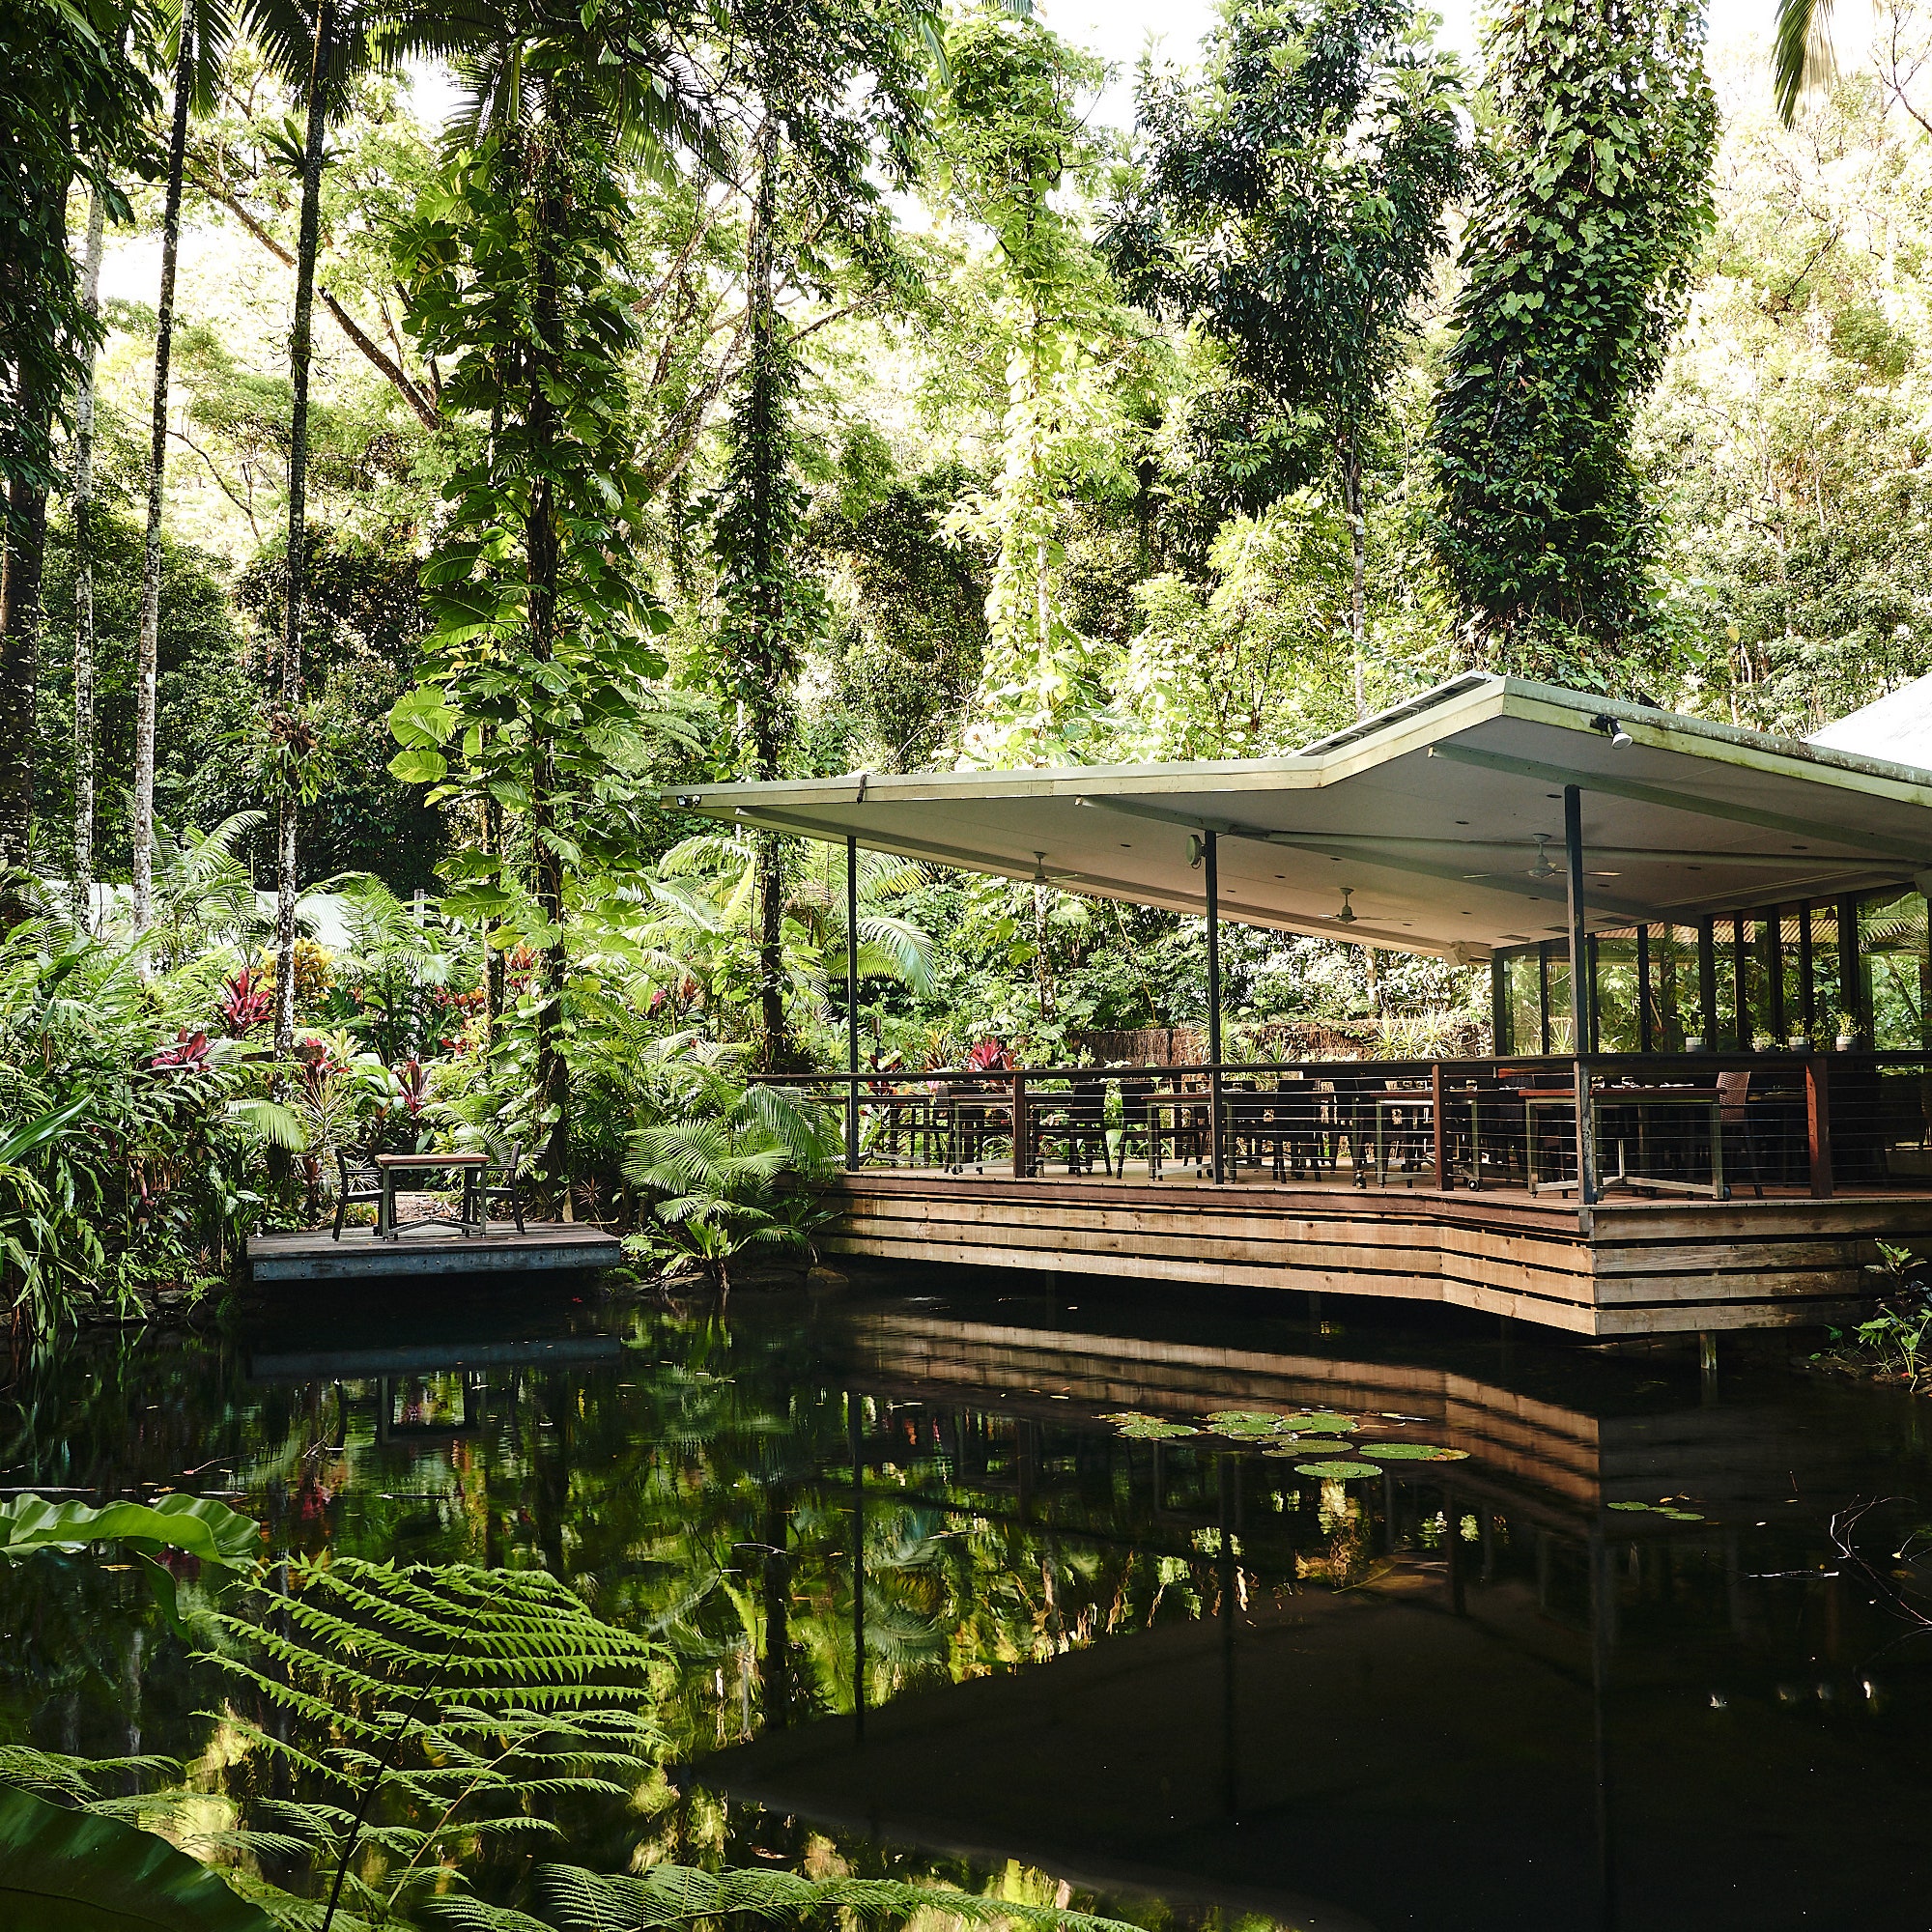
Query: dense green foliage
[745, 389]
[1579, 259]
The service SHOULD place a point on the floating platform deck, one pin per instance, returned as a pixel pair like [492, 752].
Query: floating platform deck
[359, 1256]
[1630, 1267]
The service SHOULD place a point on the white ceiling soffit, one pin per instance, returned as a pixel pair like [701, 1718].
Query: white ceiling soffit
[1896, 728]
[1437, 815]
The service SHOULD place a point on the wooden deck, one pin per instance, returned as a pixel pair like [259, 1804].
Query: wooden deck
[1645, 1266]
[433, 1251]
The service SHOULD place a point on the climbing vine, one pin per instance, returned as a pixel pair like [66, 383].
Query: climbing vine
[1579, 256]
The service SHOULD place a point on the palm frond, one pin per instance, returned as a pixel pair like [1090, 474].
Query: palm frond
[1802, 54]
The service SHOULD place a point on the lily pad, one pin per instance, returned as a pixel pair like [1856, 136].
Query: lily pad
[1137, 1427]
[1323, 1424]
[1667, 1510]
[1412, 1452]
[1341, 1471]
[1309, 1445]
[1259, 1423]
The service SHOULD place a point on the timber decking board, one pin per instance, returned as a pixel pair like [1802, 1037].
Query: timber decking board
[359, 1257]
[1643, 1267]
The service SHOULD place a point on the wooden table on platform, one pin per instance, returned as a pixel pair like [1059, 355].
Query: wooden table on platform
[392, 1165]
[1705, 1100]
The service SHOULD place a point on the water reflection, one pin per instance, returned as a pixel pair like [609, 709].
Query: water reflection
[1475, 1694]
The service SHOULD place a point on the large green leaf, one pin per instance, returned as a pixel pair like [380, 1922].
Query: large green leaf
[195, 1525]
[73, 1872]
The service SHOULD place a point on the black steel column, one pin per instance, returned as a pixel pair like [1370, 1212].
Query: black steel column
[852, 999]
[1774, 969]
[1543, 994]
[1210, 859]
[1499, 1006]
[1643, 990]
[1579, 994]
[1807, 975]
[1851, 973]
[1741, 1023]
[1707, 983]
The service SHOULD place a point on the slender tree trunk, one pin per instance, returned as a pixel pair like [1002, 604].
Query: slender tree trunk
[25, 524]
[777, 1051]
[553, 1071]
[83, 588]
[1358, 551]
[301, 350]
[147, 661]
[19, 677]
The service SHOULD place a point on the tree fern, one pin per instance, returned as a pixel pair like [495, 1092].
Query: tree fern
[675, 1896]
[421, 1714]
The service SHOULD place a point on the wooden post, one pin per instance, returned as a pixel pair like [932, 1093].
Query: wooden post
[1211, 861]
[1818, 1122]
[852, 1000]
[1021, 1165]
[1579, 999]
[1435, 1106]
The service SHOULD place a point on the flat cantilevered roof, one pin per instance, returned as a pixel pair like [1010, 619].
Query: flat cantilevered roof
[1436, 815]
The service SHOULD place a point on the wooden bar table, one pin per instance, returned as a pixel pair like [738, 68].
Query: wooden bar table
[392, 1166]
[1697, 1099]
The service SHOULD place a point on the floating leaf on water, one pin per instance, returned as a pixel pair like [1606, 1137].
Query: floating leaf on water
[1341, 1471]
[1305, 1445]
[1139, 1427]
[1668, 1510]
[1412, 1452]
[1681, 1515]
[1323, 1424]
[1250, 1422]
[1629, 1506]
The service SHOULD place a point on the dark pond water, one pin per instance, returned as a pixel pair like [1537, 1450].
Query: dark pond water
[1181, 1680]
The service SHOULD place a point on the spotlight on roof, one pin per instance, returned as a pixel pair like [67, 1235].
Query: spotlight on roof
[1610, 729]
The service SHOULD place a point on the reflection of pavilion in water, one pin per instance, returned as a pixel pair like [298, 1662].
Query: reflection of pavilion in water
[1522, 1710]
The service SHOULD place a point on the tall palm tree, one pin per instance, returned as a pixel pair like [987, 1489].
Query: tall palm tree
[1800, 51]
[199, 33]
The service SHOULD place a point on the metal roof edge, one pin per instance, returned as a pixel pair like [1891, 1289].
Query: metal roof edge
[1737, 737]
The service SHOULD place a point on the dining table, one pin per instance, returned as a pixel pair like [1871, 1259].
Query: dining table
[393, 1167]
[1644, 1101]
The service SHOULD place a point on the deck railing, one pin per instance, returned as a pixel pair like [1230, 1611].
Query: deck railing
[1700, 1127]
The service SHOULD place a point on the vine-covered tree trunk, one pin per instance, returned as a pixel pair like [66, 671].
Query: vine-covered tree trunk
[553, 1071]
[83, 582]
[19, 675]
[288, 728]
[1349, 456]
[766, 690]
[146, 661]
[1579, 260]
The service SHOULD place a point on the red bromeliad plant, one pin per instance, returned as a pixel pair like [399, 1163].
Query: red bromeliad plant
[247, 1001]
[987, 1057]
[190, 1049]
[412, 1077]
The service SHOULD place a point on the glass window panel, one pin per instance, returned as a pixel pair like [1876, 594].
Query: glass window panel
[1892, 944]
